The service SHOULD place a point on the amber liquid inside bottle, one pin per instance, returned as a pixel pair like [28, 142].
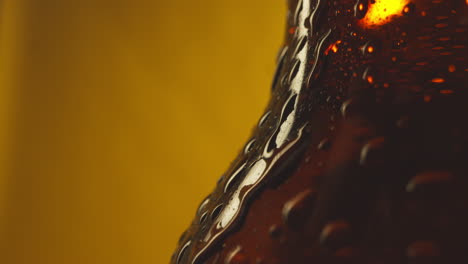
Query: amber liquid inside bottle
[361, 154]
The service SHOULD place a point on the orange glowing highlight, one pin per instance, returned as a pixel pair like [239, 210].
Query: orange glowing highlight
[452, 68]
[446, 91]
[438, 80]
[333, 47]
[370, 79]
[383, 11]
[370, 49]
[441, 25]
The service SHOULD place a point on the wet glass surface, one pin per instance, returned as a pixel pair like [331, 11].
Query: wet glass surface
[367, 95]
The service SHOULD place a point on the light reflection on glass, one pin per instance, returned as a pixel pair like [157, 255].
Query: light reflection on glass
[383, 11]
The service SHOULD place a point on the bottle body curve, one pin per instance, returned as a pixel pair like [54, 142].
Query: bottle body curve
[360, 154]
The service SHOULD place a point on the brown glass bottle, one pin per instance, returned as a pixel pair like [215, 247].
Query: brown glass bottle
[362, 154]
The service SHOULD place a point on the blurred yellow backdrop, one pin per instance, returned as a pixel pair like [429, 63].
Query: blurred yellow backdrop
[117, 117]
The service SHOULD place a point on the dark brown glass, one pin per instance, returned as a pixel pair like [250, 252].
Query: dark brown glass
[361, 155]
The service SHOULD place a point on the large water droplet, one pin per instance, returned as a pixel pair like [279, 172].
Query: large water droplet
[216, 211]
[286, 121]
[233, 206]
[294, 71]
[285, 125]
[301, 44]
[231, 181]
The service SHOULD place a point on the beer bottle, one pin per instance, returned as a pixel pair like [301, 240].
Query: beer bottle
[361, 155]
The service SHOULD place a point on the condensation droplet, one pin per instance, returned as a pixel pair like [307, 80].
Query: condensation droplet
[236, 256]
[284, 128]
[325, 144]
[183, 252]
[274, 231]
[335, 234]
[216, 211]
[232, 179]
[344, 107]
[409, 9]
[264, 119]
[301, 44]
[294, 71]
[368, 76]
[183, 236]
[368, 48]
[371, 153]
[203, 218]
[297, 209]
[203, 205]
[425, 179]
[279, 67]
[360, 9]
[249, 146]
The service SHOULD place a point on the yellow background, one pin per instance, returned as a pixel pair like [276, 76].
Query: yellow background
[117, 117]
